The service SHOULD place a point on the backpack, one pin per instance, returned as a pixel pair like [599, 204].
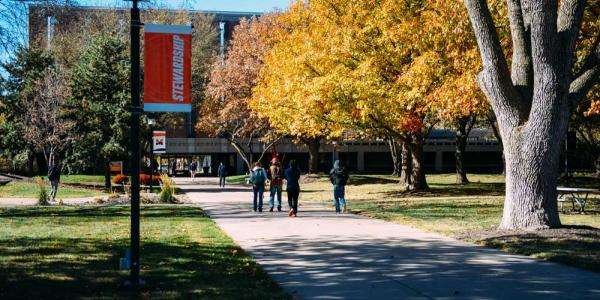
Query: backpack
[258, 177]
[277, 174]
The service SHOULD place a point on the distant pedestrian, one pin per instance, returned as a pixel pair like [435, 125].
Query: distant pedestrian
[292, 178]
[339, 177]
[193, 167]
[258, 179]
[222, 172]
[54, 178]
[275, 176]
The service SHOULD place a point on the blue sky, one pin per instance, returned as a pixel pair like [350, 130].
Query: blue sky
[226, 5]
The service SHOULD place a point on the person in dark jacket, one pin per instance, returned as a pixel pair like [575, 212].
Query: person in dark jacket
[292, 178]
[222, 172]
[193, 167]
[339, 177]
[275, 177]
[54, 178]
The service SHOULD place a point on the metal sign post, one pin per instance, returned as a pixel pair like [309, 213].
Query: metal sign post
[134, 281]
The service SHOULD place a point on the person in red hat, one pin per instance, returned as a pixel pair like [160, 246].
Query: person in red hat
[275, 176]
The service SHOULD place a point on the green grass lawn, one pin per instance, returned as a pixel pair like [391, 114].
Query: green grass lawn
[237, 179]
[469, 212]
[25, 189]
[97, 179]
[73, 252]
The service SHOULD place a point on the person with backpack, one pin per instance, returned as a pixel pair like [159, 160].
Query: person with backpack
[339, 177]
[275, 177]
[292, 178]
[54, 178]
[193, 168]
[258, 179]
[222, 172]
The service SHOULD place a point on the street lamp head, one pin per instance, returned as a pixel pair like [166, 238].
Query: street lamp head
[334, 142]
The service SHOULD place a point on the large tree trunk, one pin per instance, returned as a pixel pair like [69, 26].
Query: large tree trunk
[419, 182]
[406, 173]
[532, 162]
[313, 145]
[461, 145]
[395, 151]
[533, 101]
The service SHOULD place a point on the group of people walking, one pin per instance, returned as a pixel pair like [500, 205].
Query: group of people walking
[275, 175]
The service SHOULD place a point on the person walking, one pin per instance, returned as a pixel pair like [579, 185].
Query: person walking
[193, 167]
[292, 178]
[339, 177]
[275, 177]
[222, 172]
[258, 179]
[54, 178]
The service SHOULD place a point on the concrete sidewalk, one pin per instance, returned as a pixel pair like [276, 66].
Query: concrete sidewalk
[321, 255]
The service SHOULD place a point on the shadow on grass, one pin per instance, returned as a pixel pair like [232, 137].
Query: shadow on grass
[174, 267]
[454, 190]
[150, 211]
[589, 182]
[577, 246]
[361, 179]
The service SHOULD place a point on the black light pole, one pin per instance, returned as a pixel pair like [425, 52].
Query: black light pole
[150, 123]
[136, 110]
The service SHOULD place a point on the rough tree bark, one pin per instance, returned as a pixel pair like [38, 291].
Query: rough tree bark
[419, 182]
[405, 175]
[395, 151]
[313, 145]
[464, 126]
[533, 101]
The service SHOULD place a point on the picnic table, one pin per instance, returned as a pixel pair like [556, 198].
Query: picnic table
[575, 195]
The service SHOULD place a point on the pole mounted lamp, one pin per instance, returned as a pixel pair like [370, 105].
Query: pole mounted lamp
[334, 143]
[150, 124]
[134, 281]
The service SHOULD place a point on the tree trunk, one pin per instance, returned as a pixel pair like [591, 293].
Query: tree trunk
[419, 182]
[598, 167]
[313, 145]
[532, 99]
[30, 160]
[396, 159]
[532, 169]
[107, 174]
[406, 174]
[461, 145]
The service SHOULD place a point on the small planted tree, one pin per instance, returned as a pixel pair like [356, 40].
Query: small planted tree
[45, 125]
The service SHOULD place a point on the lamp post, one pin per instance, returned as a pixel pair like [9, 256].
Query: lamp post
[333, 153]
[150, 123]
[134, 281]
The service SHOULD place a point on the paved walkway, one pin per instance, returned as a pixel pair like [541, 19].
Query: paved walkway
[321, 255]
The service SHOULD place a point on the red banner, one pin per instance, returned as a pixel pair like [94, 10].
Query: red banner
[167, 68]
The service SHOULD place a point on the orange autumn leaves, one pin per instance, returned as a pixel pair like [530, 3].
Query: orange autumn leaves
[325, 67]
[369, 65]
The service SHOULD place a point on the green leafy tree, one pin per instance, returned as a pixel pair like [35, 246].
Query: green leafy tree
[100, 89]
